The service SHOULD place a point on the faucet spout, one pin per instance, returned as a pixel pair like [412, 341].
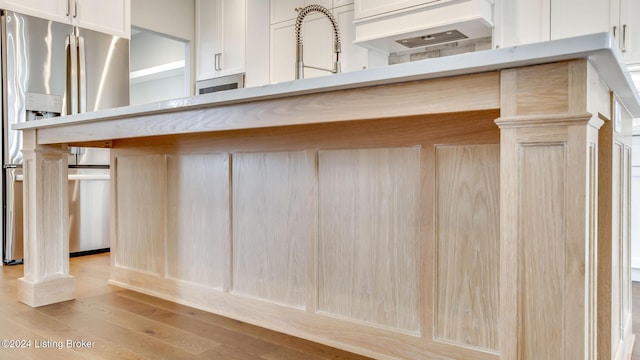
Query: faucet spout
[337, 48]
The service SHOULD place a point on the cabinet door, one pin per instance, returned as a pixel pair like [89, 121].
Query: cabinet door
[220, 38]
[233, 38]
[208, 37]
[579, 17]
[112, 17]
[283, 52]
[56, 10]
[521, 22]
[629, 33]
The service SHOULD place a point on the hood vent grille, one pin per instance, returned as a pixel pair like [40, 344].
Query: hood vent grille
[432, 39]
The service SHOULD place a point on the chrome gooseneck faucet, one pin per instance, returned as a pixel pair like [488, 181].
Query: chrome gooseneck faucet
[302, 13]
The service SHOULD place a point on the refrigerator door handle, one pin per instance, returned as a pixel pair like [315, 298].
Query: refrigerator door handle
[82, 75]
[72, 74]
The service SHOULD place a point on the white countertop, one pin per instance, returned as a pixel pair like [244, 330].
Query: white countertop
[599, 48]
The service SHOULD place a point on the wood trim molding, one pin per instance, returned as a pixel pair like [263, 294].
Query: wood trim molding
[527, 121]
[436, 96]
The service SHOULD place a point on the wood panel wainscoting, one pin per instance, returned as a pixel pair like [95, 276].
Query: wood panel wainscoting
[481, 216]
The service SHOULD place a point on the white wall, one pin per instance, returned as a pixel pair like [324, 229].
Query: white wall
[149, 51]
[166, 88]
[257, 47]
[170, 17]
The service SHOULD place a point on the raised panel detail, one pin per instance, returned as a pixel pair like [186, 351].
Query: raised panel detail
[368, 236]
[52, 171]
[541, 257]
[198, 224]
[140, 204]
[274, 221]
[468, 243]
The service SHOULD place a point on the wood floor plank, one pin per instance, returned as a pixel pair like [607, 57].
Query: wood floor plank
[307, 347]
[190, 342]
[241, 342]
[35, 332]
[52, 329]
[229, 353]
[289, 354]
[138, 343]
[129, 325]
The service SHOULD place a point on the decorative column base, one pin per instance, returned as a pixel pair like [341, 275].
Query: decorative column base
[46, 292]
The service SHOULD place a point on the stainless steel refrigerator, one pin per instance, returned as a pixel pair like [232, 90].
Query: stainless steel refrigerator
[51, 69]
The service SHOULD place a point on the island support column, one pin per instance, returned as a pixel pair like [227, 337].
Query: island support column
[548, 222]
[46, 225]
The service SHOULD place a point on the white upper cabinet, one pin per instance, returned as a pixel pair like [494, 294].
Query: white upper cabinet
[220, 38]
[111, 17]
[526, 21]
[521, 22]
[628, 32]
[56, 10]
[620, 17]
[577, 17]
[368, 8]
[283, 52]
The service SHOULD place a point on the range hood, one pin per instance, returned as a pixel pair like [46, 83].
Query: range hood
[434, 23]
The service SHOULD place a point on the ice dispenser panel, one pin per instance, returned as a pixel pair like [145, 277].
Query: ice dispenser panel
[42, 106]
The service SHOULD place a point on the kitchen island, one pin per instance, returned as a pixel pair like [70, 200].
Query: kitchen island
[468, 207]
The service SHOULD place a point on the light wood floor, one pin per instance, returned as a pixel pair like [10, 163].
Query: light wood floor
[127, 325]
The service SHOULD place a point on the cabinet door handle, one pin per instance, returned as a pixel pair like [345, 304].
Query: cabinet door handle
[624, 38]
[218, 62]
[615, 30]
[68, 8]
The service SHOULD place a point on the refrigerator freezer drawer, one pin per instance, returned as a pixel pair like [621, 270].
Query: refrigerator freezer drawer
[88, 212]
